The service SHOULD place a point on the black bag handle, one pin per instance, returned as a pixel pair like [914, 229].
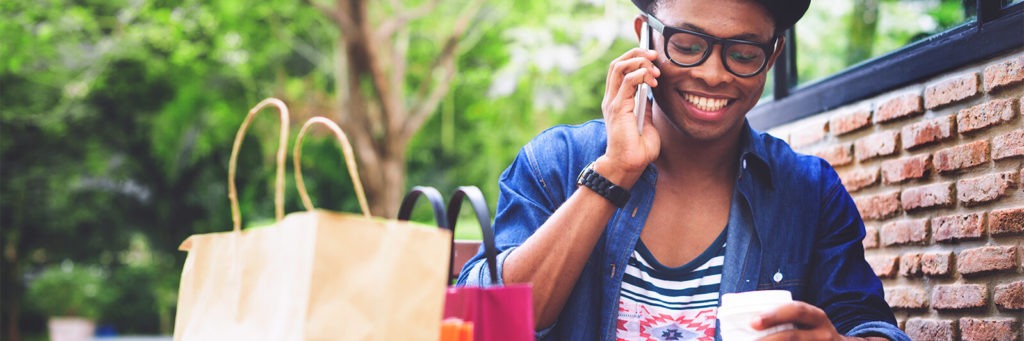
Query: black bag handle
[476, 199]
[436, 202]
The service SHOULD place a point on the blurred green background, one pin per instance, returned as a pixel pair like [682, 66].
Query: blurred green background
[118, 118]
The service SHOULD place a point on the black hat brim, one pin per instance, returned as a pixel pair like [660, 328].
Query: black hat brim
[784, 12]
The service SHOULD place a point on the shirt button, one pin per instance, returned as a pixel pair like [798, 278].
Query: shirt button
[778, 277]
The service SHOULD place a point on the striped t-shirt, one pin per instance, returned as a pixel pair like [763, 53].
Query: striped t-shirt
[662, 303]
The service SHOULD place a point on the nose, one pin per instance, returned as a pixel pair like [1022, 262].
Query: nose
[712, 71]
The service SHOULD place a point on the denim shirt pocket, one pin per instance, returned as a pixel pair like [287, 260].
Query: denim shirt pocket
[786, 275]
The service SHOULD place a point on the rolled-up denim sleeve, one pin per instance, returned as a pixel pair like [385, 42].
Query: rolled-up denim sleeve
[880, 329]
[524, 204]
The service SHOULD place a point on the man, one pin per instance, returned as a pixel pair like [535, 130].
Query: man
[635, 235]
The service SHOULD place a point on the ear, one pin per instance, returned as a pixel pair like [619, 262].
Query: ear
[779, 45]
[638, 22]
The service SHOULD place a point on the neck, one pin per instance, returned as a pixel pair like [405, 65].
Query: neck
[699, 159]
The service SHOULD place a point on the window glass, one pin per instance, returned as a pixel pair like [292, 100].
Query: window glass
[837, 34]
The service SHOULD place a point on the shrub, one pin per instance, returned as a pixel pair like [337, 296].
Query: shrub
[69, 290]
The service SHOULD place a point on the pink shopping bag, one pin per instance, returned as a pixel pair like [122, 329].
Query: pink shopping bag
[498, 312]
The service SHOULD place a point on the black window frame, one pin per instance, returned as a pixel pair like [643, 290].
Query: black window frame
[996, 31]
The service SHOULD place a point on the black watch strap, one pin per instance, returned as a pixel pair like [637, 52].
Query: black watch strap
[591, 179]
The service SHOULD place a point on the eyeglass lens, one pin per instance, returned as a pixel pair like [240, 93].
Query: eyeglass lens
[689, 49]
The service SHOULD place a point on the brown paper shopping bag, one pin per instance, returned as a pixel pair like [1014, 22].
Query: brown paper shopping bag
[314, 275]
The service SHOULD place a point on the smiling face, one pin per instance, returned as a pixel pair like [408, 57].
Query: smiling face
[707, 102]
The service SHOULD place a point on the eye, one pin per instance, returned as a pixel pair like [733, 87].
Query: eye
[690, 48]
[745, 54]
[742, 57]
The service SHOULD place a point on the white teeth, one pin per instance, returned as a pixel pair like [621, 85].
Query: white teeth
[705, 103]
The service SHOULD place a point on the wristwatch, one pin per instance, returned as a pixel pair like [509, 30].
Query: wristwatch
[594, 181]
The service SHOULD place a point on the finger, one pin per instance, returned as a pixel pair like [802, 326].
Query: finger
[612, 66]
[798, 334]
[630, 61]
[621, 67]
[627, 91]
[799, 313]
[618, 80]
[632, 53]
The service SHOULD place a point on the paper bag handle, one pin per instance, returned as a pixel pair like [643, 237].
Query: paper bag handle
[236, 215]
[476, 199]
[347, 154]
[436, 202]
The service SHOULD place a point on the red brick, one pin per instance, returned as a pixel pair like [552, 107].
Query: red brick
[850, 121]
[950, 90]
[884, 266]
[911, 167]
[808, 134]
[898, 107]
[1004, 73]
[904, 232]
[1008, 145]
[906, 297]
[991, 329]
[931, 330]
[929, 196]
[985, 115]
[961, 157]
[870, 237]
[927, 132]
[878, 144]
[958, 227]
[910, 265]
[1010, 296]
[985, 188]
[858, 178]
[986, 258]
[880, 206]
[1006, 221]
[936, 264]
[959, 296]
[837, 155]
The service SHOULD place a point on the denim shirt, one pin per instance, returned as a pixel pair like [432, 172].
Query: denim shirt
[792, 226]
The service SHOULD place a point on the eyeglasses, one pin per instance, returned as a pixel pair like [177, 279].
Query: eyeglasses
[688, 49]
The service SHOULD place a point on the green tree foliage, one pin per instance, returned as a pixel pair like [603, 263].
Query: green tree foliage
[544, 63]
[835, 35]
[118, 118]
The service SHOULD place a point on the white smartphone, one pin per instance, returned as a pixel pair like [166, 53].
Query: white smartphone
[642, 91]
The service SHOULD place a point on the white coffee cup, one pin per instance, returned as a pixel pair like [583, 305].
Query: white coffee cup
[738, 311]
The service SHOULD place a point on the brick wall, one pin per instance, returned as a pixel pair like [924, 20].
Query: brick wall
[936, 169]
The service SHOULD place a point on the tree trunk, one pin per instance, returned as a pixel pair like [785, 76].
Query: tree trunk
[10, 273]
[373, 107]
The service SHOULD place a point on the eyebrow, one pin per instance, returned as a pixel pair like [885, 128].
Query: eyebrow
[743, 36]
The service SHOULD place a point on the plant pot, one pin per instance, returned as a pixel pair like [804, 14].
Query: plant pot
[71, 328]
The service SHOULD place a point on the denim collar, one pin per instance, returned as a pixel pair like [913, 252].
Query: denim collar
[753, 149]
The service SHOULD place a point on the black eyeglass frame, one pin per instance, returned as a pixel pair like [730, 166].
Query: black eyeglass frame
[668, 31]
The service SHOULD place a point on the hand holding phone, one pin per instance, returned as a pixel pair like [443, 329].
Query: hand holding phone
[642, 91]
